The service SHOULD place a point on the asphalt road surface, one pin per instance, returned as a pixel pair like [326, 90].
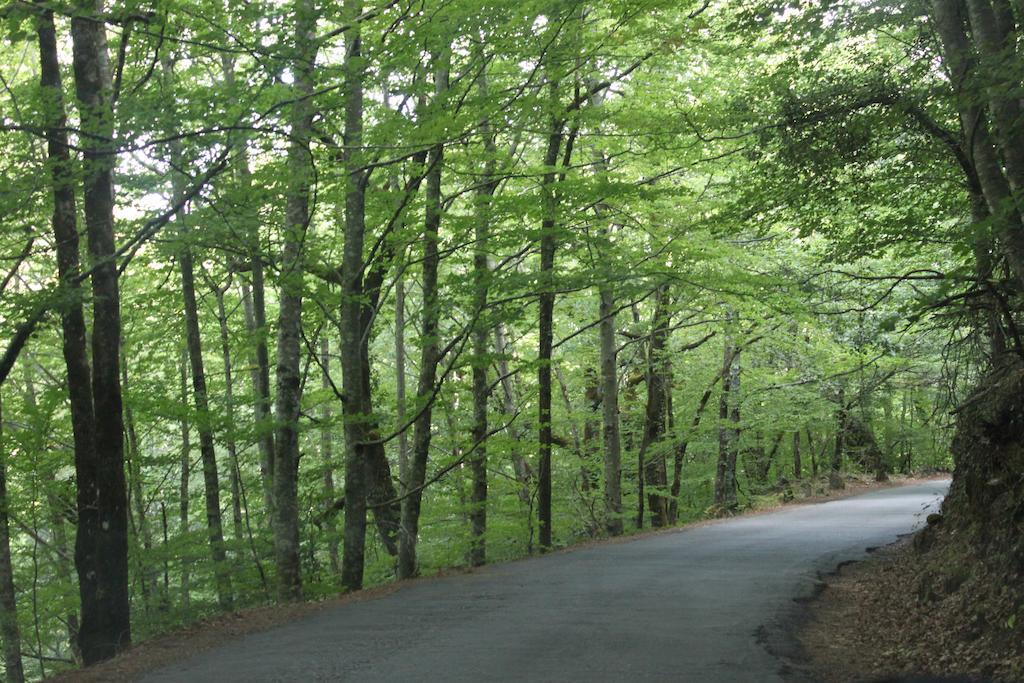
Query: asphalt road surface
[707, 604]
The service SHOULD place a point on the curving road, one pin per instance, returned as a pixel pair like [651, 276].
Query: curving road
[707, 604]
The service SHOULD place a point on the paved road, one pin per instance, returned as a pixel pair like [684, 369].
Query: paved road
[706, 605]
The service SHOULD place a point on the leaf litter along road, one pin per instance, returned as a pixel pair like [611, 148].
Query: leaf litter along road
[710, 603]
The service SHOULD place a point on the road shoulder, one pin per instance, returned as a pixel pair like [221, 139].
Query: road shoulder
[890, 616]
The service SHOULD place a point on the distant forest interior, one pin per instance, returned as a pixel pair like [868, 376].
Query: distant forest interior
[299, 298]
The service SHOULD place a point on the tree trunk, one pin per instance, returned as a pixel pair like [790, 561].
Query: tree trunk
[381, 495]
[185, 470]
[289, 323]
[797, 464]
[994, 38]
[8, 595]
[400, 383]
[949, 22]
[810, 449]
[207, 450]
[610, 413]
[254, 303]
[327, 453]
[654, 468]
[430, 354]
[591, 447]
[262, 420]
[357, 409]
[147, 582]
[101, 548]
[229, 400]
[524, 474]
[545, 326]
[835, 476]
[65, 231]
[481, 388]
[764, 465]
[728, 434]
[681, 448]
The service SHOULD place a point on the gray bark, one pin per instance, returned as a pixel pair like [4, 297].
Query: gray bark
[429, 344]
[101, 548]
[211, 477]
[289, 325]
[949, 21]
[728, 434]
[835, 475]
[327, 454]
[254, 301]
[65, 231]
[654, 467]
[357, 408]
[183, 484]
[481, 388]
[229, 400]
[8, 601]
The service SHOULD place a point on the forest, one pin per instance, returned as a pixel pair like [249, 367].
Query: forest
[299, 298]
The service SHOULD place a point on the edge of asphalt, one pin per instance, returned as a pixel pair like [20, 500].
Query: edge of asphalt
[779, 636]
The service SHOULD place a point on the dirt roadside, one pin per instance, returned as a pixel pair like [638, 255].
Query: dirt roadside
[879, 618]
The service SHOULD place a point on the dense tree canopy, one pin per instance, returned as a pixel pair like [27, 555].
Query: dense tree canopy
[302, 297]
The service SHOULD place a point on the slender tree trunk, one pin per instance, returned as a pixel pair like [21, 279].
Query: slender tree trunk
[481, 388]
[609, 380]
[591, 447]
[357, 409]
[254, 302]
[211, 478]
[101, 548]
[429, 343]
[8, 600]
[728, 434]
[684, 443]
[610, 413]
[524, 474]
[835, 476]
[400, 383]
[261, 375]
[545, 327]
[381, 494]
[327, 453]
[229, 400]
[65, 231]
[289, 324]
[263, 420]
[147, 582]
[166, 597]
[764, 465]
[797, 464]
[654, 468]
[207, 450]
[185, 471]
[64, 568]
[810, 450]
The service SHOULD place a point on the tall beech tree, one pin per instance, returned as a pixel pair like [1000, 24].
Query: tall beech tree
[357, 404]
[430, 355]
[197, 367]
[289, 324]
[101, 546]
